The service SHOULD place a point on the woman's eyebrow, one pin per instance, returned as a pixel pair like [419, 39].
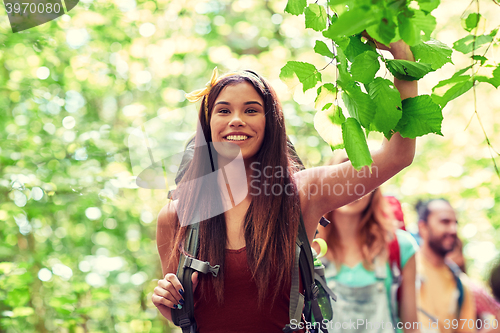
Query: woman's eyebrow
[252, 102]
[246, 103]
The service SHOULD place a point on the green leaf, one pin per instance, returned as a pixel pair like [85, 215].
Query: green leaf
[471, 21]
[359, 105]
[355, 144]
[329, 126]
[420, 116]
[495, 80]
[315, 17]
[355, 47]
[457, 89]
[365, 66]
[307, 74]
[467, 44]
[352, 22]
[432, 52]
[385, 31]
[424, 22]
[327, 94]
[342, 42]
[388, 102]
[428, 5]
[480, 58]
[453, 79]
[295, 7]
[408, 70]
[345, 78]
[322, 49]
[408, 31]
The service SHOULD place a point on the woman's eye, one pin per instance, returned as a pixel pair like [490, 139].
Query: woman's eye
[223, 111]
[252, 111]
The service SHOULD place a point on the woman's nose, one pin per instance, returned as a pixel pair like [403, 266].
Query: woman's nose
[236, 121]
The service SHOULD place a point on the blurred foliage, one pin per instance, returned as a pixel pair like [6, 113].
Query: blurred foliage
[77, 236]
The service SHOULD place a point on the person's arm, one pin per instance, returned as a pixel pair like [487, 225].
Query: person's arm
[408, 306]
[323, 189]
[166, 295]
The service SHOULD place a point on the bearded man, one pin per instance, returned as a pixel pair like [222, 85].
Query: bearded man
[444, 302]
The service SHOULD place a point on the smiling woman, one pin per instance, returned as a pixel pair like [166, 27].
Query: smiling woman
[238, 117]
[253, 240]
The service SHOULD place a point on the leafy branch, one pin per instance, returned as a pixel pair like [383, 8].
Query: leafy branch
[373, 103]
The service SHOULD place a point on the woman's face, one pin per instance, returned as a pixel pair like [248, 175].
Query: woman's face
[238, 117]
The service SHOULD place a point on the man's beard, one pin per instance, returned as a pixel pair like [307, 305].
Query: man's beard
[435, 243]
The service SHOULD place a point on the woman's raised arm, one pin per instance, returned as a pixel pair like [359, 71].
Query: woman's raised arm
[323, 189]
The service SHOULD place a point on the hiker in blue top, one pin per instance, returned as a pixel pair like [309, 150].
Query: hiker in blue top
[368, 258]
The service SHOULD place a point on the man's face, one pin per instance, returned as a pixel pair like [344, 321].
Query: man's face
[441, 228]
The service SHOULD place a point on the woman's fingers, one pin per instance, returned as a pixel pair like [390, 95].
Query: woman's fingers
[162, 300]
[169, 292]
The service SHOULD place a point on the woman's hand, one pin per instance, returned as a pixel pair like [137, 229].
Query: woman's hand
[399, 49]
[169, 294]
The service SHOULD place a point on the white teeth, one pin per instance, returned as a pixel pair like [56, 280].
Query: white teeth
[236, 137]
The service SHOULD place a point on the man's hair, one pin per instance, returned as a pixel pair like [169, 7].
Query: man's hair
[422, 208]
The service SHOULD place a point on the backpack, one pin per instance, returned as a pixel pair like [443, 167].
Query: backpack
[302, 306]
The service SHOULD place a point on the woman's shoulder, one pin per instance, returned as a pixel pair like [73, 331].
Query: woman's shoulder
[167, 215]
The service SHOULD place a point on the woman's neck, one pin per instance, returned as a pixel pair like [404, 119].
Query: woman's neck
[347, 226]
[348, 245]
[234, 179]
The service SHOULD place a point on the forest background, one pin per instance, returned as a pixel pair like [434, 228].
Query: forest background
[77, 235]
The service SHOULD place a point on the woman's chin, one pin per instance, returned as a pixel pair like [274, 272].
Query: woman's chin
[227, 149]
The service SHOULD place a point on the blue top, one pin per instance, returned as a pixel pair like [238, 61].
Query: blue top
[358, 276]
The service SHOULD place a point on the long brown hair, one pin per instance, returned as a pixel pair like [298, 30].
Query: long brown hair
[271, 222]
[374, 232]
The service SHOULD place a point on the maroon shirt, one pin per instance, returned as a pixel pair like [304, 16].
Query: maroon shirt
[240, 312]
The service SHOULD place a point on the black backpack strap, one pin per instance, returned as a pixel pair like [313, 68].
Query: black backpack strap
[184, 317]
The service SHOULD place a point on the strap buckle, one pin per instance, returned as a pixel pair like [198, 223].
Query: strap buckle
[187, 326]
[201, 266]
[289, 329]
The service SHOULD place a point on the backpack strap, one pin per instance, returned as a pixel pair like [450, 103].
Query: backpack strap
[306, 304]
[455, 270]
[395, 267]
[296, 298]
[184, 317]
